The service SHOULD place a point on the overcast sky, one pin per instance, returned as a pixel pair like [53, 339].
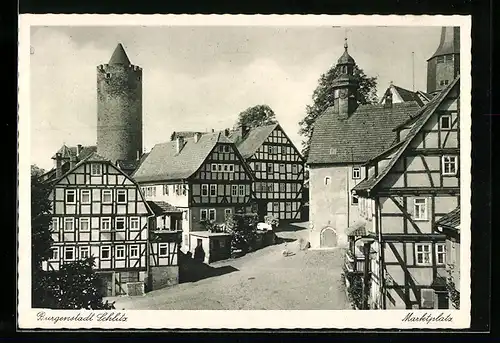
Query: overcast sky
[199, 78]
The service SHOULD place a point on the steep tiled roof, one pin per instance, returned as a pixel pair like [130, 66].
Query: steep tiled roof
[119, 56]
[406, 95]
[164, 163]
[162, 207]
[253, 140]
[451, 220]
[423, 116]
[366, 133]
[129, 166]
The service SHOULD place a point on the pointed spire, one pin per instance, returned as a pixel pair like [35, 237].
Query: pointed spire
[449, 42]
[119, 56]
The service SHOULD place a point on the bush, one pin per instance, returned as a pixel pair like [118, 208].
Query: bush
[355, 288]
[243, 228]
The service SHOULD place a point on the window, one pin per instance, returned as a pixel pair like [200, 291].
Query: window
[85, 197]
[446, 82]
[226, 148]
[354, 199]
[204, 189]
[293, 187]
[440, 59]
[283, 187]
[121, 195]
[441, 83]
[70, 196]
[120, 224]
[165, 189]
[69, 224]
[213, 167]
[95, 169]
[55, 224]
[213, 190]
[420, 209]
[449, 165]
[241, 190]
[440, 254]
[134, 223]
[269, 167]
[333, 151]
[120, 252]
[84, 224]
[107, 196]
[288, 206]
[231, 167]
[327, 180]
[69, 253]
[134, 251]
[356, 173]
[226, 167]
[219, 167]
[423, 254]
[203, 214]
[228, 212]
[282, 168]
[270, 149]
[234, 190]
[105, 252]
[445, 122]
[105, 224]
[427, 298]
[55, 254]
[84, 252]
[276, 206]
[163, 249]
[257, 166]
[294, 169]
[211, 214]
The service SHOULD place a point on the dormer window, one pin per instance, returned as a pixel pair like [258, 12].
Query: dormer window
[356, 173]
[333, 151]
[95, 169]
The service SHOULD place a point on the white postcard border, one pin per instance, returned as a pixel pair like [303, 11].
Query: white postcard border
[28, 318]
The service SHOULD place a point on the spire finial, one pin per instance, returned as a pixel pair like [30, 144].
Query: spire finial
[345, 43]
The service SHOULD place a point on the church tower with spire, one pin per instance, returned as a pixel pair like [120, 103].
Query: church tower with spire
[119, 108]
[345, 86]
[444, 65]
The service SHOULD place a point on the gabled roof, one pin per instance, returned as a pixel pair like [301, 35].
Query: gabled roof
[423, 116]
[450, 220]
[364, 134]
[164, 163]
[129, 166]
[119, 56]
[253, 140]
[162, 207]
[68, 152]
[406, 95]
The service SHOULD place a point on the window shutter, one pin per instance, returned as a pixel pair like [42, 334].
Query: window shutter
[427, 298]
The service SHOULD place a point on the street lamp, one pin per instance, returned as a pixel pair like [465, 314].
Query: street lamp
[367, 242]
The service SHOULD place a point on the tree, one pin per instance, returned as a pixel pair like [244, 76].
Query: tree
[256, 116]
[41, 238]
[323, 98]
[36, 170]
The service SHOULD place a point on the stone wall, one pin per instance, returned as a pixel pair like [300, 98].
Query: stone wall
[160, 277]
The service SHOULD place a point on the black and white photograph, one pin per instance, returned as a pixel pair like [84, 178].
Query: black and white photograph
[235, 171]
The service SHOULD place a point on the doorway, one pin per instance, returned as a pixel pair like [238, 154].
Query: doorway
[328, 238]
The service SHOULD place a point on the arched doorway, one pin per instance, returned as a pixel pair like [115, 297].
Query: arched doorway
[328, 238]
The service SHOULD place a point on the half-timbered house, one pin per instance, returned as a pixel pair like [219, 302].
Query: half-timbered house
[397, 95]
[345, 136]
[278, 169]
[204, 176]
[408, 188]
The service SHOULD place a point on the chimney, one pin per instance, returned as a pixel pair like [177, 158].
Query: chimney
[197, 137]
[58, 165]
[388, 98]
[213, 130]
[226, 132]
[244, 130]
[138, 157]
[180, 143]
[78, 150]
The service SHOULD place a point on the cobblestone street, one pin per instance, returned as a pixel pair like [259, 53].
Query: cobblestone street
[262, 280]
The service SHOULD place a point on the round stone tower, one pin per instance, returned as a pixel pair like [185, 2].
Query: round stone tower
[119, 108]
